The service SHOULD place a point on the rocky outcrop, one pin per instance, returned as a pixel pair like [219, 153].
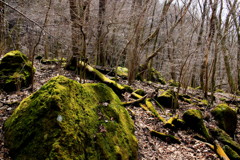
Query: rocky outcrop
[68, 120]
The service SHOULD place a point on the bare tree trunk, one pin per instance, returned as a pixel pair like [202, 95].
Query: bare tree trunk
[237, 28]
[77, 15]
[2, 27]
[199, 50]
[208, 46]
[101, 19]
[225, 48]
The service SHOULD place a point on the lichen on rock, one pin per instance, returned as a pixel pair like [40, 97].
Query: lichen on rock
[68, 120]
[226, 118]
[15, 71]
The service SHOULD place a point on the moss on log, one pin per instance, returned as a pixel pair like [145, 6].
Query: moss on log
[165, 137]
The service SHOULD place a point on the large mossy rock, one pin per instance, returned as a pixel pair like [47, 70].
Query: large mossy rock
[168, 99]
[15, 71]
[226, 118]
[66, 120]
[194, 119]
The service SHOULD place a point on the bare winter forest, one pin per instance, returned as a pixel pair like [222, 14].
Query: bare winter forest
[193, 46]
[196, 42]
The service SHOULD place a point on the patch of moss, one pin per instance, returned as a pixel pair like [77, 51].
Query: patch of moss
[15, 71]
[231, 153]
[224, 138]
[173, 83]
[220, 91]
[168, 99]
[68, 120]
[222, 99]
[156, 76]
[122, 71]
[140, 92]
[185, 98]
[226, 118]
[194, 119]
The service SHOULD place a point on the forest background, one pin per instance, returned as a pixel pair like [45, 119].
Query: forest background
[194, 42]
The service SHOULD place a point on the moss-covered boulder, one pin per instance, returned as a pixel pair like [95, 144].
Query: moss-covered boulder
[226, 118]
[67, 120]
[15, 71]
[194, 119]
[167, 99]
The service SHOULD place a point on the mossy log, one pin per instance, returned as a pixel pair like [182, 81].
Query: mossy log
[231, 153]
[165, 137]
[170, 122]
[118, 88]
[134, 101]
[219, 150]
[148, 106]
[224, 138]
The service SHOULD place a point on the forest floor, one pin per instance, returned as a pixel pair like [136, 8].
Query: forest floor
[150, 147]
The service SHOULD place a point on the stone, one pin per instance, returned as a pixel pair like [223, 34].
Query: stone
[15, 71]
[67, 120]
[226, 118]
[168, 99]
[194, 119]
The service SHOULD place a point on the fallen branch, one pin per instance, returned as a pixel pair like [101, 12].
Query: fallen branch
[135, 101]
[165, 137]
[113, 84]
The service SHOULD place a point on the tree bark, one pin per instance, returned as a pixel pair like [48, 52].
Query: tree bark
[2, 26]
[78, 17]
[101, 19]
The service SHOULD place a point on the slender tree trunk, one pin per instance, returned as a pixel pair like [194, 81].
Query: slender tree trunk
[78, 16]
[2, 26]
[100, 45]
[208, 46]
[225, 48]
[199, 49]
[236, 21]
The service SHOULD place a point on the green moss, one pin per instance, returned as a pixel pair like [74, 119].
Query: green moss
[168, 99]
[185, 98]
[194, 119]
[231, 153]
[226, 118]
[222, 99]
[173, 83]
[140, 92]
[220, 90]
[68, 120]
[224, 138]
[122, 71]
[156, 76]
[15, 71]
